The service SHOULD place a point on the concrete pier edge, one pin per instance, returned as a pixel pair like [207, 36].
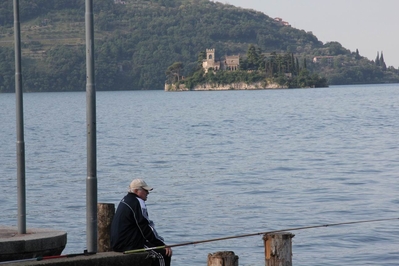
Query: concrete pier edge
[99, 259]
[36, 242]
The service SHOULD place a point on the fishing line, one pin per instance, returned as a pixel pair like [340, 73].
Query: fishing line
[255, 234]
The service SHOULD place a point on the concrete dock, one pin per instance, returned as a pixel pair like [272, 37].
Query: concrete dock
[26, 249]
[36, 242]
[99, 259]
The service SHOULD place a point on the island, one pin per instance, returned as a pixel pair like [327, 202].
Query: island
[254, 71]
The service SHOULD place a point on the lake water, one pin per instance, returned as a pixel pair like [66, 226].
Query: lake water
[222, 164]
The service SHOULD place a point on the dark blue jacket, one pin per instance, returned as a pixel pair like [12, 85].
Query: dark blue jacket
[131, 228]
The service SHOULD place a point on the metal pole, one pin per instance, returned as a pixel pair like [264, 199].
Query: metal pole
[91, 181]
[20, 125]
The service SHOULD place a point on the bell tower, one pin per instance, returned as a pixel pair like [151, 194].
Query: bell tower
[210, 62]
[210, 56]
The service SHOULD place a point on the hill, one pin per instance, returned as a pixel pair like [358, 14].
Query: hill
[136, 41]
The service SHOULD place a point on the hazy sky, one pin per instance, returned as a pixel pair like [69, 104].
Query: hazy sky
[366, 25]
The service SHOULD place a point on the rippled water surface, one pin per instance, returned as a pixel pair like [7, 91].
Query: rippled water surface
[222, 164]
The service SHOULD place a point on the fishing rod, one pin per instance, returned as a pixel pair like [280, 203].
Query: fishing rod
[255, 234]
[85, 253]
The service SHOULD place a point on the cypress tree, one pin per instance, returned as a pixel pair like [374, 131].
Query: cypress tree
[297, 65]
[382, 62]
[252, 57]
[357, 54]
[292, 70]
[201, 57]
[377, 59]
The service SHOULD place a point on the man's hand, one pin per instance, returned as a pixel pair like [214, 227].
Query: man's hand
[168, 252]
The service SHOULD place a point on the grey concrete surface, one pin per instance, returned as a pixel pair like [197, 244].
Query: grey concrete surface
[35, 243]
[99, 259]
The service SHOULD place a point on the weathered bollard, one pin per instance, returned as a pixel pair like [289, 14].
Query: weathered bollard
[222, 258]
[105, 214]
[278, 249]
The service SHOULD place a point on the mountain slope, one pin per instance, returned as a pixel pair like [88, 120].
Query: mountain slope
[137, 40]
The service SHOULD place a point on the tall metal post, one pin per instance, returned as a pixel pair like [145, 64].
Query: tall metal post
[20, 125]
[91, 181]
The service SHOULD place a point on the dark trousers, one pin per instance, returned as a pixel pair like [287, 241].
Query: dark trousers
[159, 257]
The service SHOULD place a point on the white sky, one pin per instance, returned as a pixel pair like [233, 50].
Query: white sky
[370, 26]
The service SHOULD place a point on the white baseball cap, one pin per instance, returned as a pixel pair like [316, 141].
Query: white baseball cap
[139, 183]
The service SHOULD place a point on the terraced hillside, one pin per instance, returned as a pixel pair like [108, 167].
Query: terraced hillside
[136, 41]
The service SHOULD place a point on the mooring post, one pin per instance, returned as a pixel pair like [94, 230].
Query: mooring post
[105, 214]
[222, 258]
[278, 249]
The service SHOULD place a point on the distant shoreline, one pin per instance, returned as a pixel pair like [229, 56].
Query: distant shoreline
[226, 87]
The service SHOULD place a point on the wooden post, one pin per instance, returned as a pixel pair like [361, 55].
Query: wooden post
[278, 249]
[222, 258]
[105, 214]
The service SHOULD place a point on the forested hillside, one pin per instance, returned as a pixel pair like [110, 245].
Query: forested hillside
[136, 41]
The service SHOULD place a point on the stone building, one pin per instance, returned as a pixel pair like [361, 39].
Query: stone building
[210, 62]
[231, 62]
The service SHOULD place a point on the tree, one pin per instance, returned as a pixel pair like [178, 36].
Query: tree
[7, 70]
[297, 67]
[382, 62]
[173, 72]
[357, 56]
[252, 58]
[201, 57]
[377, 59]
